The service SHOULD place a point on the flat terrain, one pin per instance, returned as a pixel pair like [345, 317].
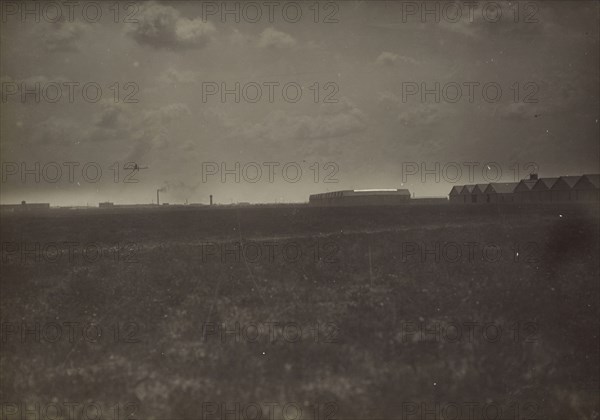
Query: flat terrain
[354, 313]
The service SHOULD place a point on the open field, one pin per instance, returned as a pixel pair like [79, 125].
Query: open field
[354, 313]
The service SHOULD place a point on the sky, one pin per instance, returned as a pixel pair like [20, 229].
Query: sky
[353, 95]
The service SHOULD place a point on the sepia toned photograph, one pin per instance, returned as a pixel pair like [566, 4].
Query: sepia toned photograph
[300, 210]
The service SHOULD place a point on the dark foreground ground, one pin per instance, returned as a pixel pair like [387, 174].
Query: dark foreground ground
[420, 312]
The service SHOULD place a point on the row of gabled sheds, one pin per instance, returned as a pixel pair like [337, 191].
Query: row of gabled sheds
[534, 189]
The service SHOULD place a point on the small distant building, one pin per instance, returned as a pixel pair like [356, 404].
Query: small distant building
[106, 204]
[377, 197]
[478, 193]
[454, 195]
[588, 188]
[562, 190]
[541, 189]
[8, 208]
[466, 194]
[24, 206]
[523, 191]
[34, 206]
[500, 192]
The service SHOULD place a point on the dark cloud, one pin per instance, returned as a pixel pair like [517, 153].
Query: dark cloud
[163, 27]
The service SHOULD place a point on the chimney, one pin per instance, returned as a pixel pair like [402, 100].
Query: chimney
[211, 200]
[158, 197]
[533, 176]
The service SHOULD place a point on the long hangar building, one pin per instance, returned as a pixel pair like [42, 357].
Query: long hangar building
[380, 197]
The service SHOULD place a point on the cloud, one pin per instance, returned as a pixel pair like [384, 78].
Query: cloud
[56, 132]
[239, 38]
[272, 38]
[386, 59]
[163, 27]
[388, 100]
[114, 127]
[150, 131]
[62, 36]
[179, 76]
[109, 118]
[420, 115]
[390, 59]
[332, 121]
[166, 114]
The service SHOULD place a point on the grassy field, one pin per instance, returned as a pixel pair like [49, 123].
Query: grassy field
[354, 313]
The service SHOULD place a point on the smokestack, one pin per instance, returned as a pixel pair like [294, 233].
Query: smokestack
[211, 200]
[158, 197]
[533, 176]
